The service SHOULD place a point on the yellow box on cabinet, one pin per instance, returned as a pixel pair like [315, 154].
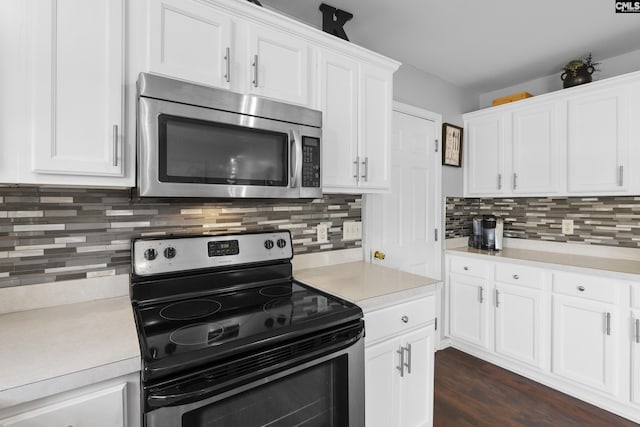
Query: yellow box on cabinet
[510, 98]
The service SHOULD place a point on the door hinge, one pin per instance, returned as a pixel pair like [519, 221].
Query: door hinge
[435, 234]
[436, 324]
[436, 145]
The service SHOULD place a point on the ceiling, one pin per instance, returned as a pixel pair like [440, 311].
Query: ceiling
[482, 45]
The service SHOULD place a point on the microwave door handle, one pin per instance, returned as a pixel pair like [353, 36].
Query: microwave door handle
[295, 143]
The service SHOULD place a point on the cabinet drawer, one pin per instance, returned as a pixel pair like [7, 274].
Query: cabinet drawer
[595, 288]
[471, 267]
[519, 275]
[397, 319]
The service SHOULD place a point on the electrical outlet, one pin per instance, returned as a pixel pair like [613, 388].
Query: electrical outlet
[567, 226]
[322, 234]
[352, 230]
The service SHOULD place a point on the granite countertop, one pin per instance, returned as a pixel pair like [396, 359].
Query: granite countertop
[83, 341]
[365, 284]
[621, 268]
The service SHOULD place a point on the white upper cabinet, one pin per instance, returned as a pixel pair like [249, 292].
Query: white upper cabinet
[190, 41]
[598, 142]
[355, 98]
[77, 90]
[484, 170]
[279, 65]
[571, 142]
[535, 150]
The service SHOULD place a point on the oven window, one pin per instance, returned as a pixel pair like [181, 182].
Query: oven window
[314, 397]
[200, 151]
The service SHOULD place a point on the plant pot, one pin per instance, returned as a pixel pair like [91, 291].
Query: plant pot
[582, 76]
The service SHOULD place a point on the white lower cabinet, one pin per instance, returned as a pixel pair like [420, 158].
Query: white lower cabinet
[635, 346]
[399, 357]
[469, 313]
[100, 408]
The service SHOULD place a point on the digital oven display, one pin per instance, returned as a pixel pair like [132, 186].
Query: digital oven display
[223, 248]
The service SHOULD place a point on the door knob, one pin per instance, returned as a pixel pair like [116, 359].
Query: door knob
[379, 255]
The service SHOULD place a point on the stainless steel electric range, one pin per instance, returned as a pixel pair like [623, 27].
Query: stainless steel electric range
[229, 338]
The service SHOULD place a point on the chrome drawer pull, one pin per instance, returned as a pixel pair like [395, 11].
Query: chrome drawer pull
[405, 319]
[465, 268]
[515, 276]
[581, 288]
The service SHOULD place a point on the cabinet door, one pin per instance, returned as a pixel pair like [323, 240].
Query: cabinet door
[338, 98]
[635, 357]
[382, 383]
[374, 134]
[518, 323]
[585, 348]
[279, 65]
[190, 40]
[104, 408]
[484, 169]
[77, 100]
[598, 146]
[535, 149]
[416, 396]
[469, 309]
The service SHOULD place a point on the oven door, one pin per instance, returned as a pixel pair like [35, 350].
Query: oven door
[328, 391]
[191, 151]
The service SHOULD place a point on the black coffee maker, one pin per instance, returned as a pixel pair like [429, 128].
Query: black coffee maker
[484, 233]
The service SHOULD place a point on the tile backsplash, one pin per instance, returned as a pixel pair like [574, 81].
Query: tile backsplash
[608, 221]
[54, 234]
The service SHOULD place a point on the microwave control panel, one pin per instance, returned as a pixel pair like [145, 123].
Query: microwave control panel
[310, 162]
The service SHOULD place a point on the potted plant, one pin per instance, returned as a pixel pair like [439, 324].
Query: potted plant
[578, 71]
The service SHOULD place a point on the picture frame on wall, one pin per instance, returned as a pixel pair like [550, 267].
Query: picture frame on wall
[451, 145]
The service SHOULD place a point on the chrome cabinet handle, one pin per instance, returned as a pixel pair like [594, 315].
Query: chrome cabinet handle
[227, 59]
[608, 323]
[638, 331]
[255, 70]
[516, 277]
[115, 145]
[408, 361]
[400, 368]
[499, 181]
[465, 268]
[357, 165]
[366, 169]
[620, 175]
[497, 298]
[405, 319]
[481, 294]
[581, 288]
[515, 180]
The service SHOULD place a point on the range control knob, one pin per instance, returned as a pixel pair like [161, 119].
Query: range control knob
[169, 252]
[281, 243]
[268, 244]
[150, 254]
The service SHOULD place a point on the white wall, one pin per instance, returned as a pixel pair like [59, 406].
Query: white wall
[414, 87]
[608, 68]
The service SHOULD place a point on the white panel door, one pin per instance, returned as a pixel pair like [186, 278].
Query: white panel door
[598, 145]
[104, 408]
[382, 385]
[339, 104]
[635, 357]
[416, 397]
[535, 150]
[77, 92]
[484, 171]
[190, 40]
[518, 323]
[279, 65]
[468, 310]
[583, 350]
[402, 224]
[374, 116]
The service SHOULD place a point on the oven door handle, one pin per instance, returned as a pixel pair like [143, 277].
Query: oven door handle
[157, 400]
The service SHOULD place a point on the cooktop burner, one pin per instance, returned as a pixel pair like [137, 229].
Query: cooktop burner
[199, 333]
[190, 310]
[275, 291]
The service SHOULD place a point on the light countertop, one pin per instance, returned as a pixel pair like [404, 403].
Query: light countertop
[62, 341]
[611, 267]
[365, 284]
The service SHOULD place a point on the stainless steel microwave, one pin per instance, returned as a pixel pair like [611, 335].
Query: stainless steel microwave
[198, 141]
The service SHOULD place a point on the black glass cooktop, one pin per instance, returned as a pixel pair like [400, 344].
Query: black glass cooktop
[217, 324]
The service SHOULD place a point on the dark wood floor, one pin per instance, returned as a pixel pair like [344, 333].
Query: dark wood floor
[470, 392]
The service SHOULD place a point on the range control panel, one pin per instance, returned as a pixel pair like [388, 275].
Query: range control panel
[175, 254]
